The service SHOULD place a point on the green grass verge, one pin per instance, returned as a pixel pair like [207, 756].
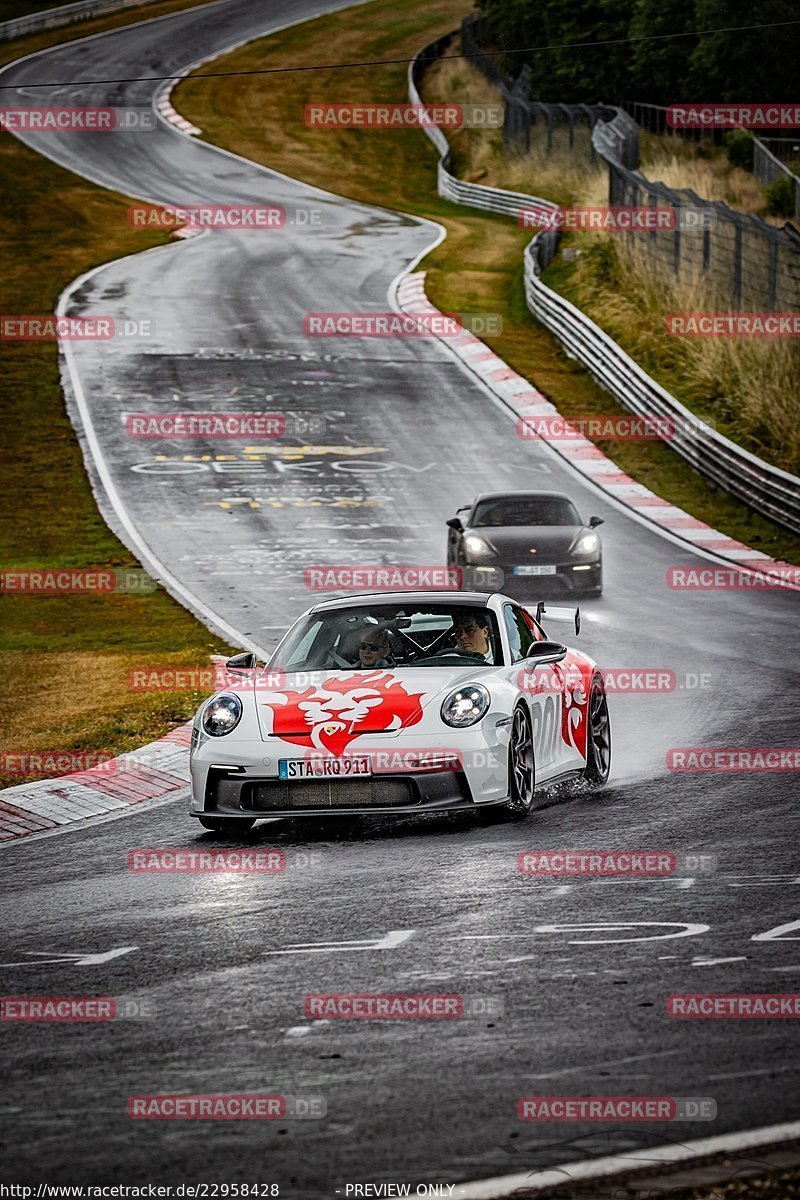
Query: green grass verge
[479, 265]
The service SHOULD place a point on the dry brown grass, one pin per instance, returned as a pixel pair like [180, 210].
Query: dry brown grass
[747, 387]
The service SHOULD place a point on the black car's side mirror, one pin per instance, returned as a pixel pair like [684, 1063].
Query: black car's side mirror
[545, 652]
[595, 521]
[242, 662]
[455, 523]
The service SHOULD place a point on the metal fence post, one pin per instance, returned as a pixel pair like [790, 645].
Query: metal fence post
[737, 264]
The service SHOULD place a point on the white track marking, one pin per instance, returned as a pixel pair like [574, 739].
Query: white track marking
[394, 938]
[632, 1160]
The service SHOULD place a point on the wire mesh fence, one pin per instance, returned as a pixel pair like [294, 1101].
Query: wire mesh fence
[768, 165]
[734, 259]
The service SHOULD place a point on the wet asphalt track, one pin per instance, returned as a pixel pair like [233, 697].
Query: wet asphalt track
[409, 437]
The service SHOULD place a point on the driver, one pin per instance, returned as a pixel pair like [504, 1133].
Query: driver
[471, 631]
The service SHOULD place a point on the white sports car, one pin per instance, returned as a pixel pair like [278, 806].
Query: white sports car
[400, 703]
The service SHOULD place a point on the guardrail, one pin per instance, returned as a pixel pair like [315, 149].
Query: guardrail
[767, 489]
[65, 14]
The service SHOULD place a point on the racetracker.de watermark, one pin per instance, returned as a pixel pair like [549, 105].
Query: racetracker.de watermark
[351, 765]
[204, 214]
[733, 324]
[400, 1006]
[555, 428]
[404, 116]
[49, 328]
[407, 577]
[636, 864]
[74, 119]
[154, 861]
[56, 762]
[635, 680]
[400, 325]
[201, 679]
[238, 1106]
[725, 579]
[616, 1108]
[617, 218]
[75, 1009]
[58, 582]
[260, 426]
[729, 115]
[730, 761]
[734, 1005]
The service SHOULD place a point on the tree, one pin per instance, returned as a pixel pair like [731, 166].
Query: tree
[753, 65]
[660, 68]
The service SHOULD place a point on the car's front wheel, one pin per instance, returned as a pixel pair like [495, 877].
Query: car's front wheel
[598, 735]
[230, 827]
[521, 764]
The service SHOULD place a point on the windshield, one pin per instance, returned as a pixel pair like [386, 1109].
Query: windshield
[391, 635]
[524, 510]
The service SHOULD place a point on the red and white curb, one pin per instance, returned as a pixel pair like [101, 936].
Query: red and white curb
[526, 401]
[171, 115]
[151, 772]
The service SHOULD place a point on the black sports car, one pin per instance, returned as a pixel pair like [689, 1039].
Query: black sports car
[525, 543]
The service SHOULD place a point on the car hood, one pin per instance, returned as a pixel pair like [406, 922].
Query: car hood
[514, 543]
[326, 710]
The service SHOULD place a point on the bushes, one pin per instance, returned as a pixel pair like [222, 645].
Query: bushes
[739, 149]
[780, 197]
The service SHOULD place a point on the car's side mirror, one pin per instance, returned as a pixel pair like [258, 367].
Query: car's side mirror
[545, 652]
[242, 662]
[455, 523]
[595, 521]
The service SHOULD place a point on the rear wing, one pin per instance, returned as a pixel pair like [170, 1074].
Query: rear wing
[555, 613]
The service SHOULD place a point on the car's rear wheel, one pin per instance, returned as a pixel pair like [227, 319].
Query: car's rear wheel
[521, 764]
[230, 827]
[598, 736]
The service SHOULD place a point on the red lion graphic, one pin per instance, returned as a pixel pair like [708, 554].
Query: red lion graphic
[327, 718]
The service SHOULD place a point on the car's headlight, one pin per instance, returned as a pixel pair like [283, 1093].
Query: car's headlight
[222, 715]
[587, 543]
[465, 706]
[476, 545]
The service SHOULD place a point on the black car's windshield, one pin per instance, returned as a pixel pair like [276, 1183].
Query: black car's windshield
[370, 637]
[524, 510]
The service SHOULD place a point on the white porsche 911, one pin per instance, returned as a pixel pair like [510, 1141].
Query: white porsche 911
[400, 703]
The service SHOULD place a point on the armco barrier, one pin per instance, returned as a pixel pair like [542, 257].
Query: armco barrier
[66, 14]
[767, 489]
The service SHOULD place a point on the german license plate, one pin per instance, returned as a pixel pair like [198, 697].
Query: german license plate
[324, 768]
[529, 569]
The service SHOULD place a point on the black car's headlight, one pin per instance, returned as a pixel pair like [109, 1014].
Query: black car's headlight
[465, 706]
[477, 547]
[587, 543]
[222, 714]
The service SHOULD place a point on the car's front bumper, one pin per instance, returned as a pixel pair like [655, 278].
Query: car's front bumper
[232, 778]
[569, 579]
[232, 795]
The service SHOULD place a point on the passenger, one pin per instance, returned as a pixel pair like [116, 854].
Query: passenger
[374, 649]
[472, 634]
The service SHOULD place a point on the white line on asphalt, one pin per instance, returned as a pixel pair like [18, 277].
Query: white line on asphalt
[632, 1160]
[612, 1062]
[81, 959]
[714, 962]
[390, 940]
